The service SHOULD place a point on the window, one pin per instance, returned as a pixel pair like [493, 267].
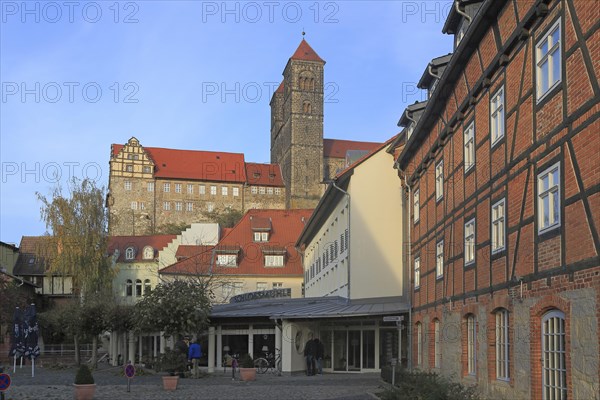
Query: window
[547, 58]
[470, 242]
[147, 286]
[409, 130]
[129, 288]
[148, 253]
[439, 259]
[235, 191]
[498, 226]
[150, 186]
[254, 190]
[189, 206]
[502, 345]
[437, 346]
[190, 189]
[129, 253]
[178, 206]
[261, 190]
[210, 207]
[439, 180]
[178, 188]
[146, 169]
[232, 289]
[261, 286]
[274, 261]
[419, 344]
[416, 206]
[417, 272]
[497, 116]
[549, 198]
[469, 141]
[277, 285]
[127, 185]
[201, 189]
[166, 187]
[213, 190]
[167, 206]
[134, 205]
[129, 168]
[224, 190]
[227, 260]
[277, 191]
[471, 345]
[142, 205]
[554, 369]
[269, 190]
[261, 236]
[138, 288]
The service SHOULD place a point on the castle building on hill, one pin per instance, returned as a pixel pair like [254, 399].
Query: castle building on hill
[150, 187]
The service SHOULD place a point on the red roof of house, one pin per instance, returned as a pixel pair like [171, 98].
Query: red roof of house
[195, 164]
[121, 243]
[306, 53]
[286, 227]
[186, 251]
[264, 174]
[336, 148]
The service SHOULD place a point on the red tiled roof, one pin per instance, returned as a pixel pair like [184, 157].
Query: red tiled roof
[195, 164]
[336, 148]
[260, 223]
[186, 250]
[306, 53]
[121, 243]
[35, 253]
[264, 174]
[286, 227]
[280, 88]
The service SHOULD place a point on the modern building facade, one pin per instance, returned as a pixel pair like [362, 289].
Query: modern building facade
[502, 169]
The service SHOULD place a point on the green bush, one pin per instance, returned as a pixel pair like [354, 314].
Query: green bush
[246, 361]
[172, 361]
[84, 376]
[418, 385]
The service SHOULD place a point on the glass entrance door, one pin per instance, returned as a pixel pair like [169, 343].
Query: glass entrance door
[340, 350]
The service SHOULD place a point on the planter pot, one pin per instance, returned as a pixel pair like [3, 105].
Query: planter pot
[248, 374]
[170, 382]
[85, 392]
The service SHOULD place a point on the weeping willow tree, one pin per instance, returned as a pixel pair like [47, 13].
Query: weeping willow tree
[77, 225]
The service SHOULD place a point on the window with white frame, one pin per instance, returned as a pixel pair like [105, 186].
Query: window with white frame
[254, 190]
[439, 180]
[277, 285]
[178, 188]
[470, 242]
[146, 169]
[128, 288]
[416, 206]
[469, 144]
[210, 207]
[166, 187]
[439, 259]
[269, 190]
[201, 189]
[138, 288]
[129, 168]
[224, 190]
[277, 191]
[127, 185]
[554, 369]
[502, 345]
[261, 286]
[548, 61]
[549, 198]
[417, 272]
[261, 236]
[437, 345]
[150, 186]
[129, 253]
[190, 189]
[274, 261]
[262, 190]
[148, 253]
[497, 116]
[498, 226]
[227, 260]
[134, 205]
[213, 190]
[178, 206]
[235, 191]
[471, 345]
[189, 206]
[419, 344]
[167, 206]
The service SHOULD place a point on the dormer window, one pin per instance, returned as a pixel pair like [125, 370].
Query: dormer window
[410, 130]
[227, 260]
[274, 261]
[148, 253]
[261, 236]
[129, 253]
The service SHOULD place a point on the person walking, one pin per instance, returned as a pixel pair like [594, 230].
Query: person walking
[320, 353]
[194, 355]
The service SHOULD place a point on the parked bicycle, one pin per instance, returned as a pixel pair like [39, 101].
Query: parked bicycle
[271, 361]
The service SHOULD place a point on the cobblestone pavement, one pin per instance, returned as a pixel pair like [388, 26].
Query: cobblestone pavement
[112, 385]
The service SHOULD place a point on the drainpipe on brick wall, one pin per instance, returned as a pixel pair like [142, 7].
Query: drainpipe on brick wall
[349, 232]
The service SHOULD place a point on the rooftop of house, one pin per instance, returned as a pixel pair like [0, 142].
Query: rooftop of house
[138, 244]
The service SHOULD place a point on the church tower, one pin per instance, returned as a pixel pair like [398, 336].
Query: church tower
[297, 127]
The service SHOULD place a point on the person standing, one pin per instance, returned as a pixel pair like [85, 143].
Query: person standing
[194, 355]
[309, 354]
[320, 353]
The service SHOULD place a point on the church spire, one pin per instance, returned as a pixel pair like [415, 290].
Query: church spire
[306, 53]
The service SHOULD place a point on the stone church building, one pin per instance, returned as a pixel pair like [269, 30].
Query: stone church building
[150, 186]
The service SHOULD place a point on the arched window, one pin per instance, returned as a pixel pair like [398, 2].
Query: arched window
[502, 345]
[437, 345]
[306, 107]
[138, 288]
[301, 82]
[471, 345]
[311, 85]
[147, 286]
[419, 344]
[148, 253]
[554, 368]
[129, 253]
[128, 288]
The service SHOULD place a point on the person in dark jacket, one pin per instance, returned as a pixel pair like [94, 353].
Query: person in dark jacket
[194, 355]
[320, 353]
[310, 351]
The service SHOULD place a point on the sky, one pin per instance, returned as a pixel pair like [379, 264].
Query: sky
[79, 76]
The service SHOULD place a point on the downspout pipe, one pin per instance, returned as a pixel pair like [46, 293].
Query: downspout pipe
[349, 232]
[461, 12]
[430, 70]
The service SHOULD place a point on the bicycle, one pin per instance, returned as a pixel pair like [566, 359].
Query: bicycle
[269, 361]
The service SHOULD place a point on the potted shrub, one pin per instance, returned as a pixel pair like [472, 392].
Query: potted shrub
[247, 368]
[173, 363]
[84, 384]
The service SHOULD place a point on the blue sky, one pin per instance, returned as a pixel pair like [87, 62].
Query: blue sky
[77, 77]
